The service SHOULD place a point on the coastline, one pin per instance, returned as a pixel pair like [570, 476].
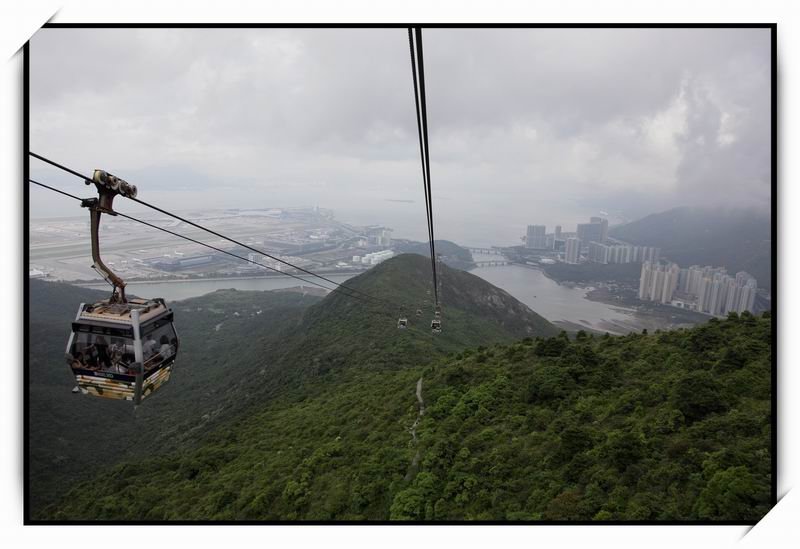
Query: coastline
[102, 284]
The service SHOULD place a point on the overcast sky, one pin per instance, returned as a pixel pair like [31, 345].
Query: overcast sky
[544, 126]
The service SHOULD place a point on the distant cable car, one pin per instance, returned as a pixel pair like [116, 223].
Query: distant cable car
[119, 348]
[436, 323]
[402, 322]
[419, 312]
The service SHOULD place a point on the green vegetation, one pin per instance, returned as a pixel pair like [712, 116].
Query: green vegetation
[72, 436]
[739, 240]
[231, 365]
[672, 425]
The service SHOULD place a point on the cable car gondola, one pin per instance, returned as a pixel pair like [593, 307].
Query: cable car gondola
[402, 322]
[122, 350]
[436, 323]
[119, 348]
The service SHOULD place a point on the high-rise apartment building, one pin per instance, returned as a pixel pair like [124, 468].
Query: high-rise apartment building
[379, 236]
[598, 253]
[621, 253]
[590, 232]
[603, 227]
[536, 238]
[714, 291]
[658, 282]
[572, 250]
[594, 231]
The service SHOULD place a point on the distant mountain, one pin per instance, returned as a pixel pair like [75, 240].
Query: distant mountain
[739, 240]
[234, 358]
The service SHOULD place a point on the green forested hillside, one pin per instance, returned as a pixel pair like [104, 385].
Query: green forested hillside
[473, 312]
[72, 436]
[672, 425]
[233, 360]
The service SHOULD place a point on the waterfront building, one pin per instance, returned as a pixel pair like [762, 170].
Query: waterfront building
[594, 231]
[658, 282]
[590, 232]
[621, 253]
[376, 257]
[572, 250]
[536, 238]
[651, 254]
[599, 253]
[707, 289]
[747, 298]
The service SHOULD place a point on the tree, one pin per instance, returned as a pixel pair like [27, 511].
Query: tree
[732, 494]
[732, 359]
[548, 383]
[565, 506]
[552, 346]
[415, 502]
[623, 448]
[574, 440]
[697, 394]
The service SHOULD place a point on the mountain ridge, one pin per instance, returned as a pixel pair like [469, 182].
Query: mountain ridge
[739, 240]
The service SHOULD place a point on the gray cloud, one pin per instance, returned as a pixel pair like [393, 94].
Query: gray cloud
[527, 125]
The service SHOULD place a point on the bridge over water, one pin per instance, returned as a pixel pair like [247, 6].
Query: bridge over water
[497, 263]
[485, 251]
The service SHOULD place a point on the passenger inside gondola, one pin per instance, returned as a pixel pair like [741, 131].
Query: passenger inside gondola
[165, 350]
[158, 348]
[90, 361]
[148, 346]
[93, 352]
[101, 353]
[77, 361]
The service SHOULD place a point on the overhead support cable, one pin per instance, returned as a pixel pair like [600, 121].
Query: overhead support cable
[210, 246]
[418, 73]
[217, 234]
[422, 153]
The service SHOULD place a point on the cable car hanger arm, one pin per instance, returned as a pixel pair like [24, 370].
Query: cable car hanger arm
[108, 187]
